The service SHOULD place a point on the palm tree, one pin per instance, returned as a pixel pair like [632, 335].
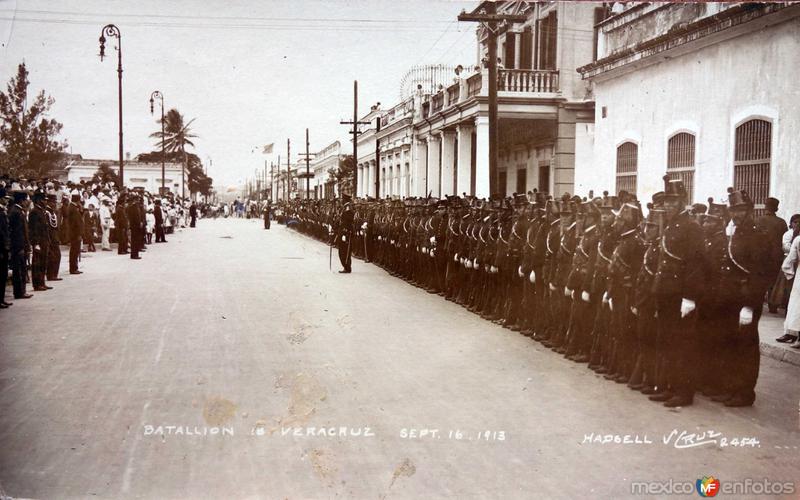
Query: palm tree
[177, 135]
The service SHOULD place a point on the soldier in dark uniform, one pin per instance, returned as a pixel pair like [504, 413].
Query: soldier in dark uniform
[5, 247]
[266, 214]
[158, 213]
[747, 272]
[40, 242]
[121, 224]
[142, 211]
[677, 286]
[75, 232]
[20, 244]
[773, 227]
[643, 306]
[54, 232]
[625, 263]
[193, 214]
[710, 313]
[132, 212]
[344, 235]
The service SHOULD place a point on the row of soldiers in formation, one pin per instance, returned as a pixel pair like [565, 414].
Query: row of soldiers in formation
[32, 230]
[668, 303]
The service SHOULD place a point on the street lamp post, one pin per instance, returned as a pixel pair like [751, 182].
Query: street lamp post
[111, 30]
[158, 95]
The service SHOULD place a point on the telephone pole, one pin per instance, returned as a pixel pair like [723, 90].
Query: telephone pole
[355, 132]
[288, 170]
[489, 18]
[308, 175]
[377, 158]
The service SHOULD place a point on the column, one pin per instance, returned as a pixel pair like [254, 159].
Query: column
[368, 178]
[564, 168]
[448, 162]
[482, 156]
[403, 171]
[420, 158]
[464, 132]
[433, 168]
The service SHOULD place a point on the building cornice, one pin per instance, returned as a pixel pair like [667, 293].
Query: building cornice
[682, 35]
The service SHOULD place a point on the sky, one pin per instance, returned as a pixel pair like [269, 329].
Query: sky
[249, 72]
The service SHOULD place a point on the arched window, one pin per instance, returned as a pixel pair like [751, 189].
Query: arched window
[751, 160]
[627, 166]
[680, 161]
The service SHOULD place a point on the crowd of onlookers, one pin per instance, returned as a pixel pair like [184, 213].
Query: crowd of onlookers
[38, 217]
[786, 291]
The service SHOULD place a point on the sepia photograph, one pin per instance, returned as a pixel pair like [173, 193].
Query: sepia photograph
[399, 249]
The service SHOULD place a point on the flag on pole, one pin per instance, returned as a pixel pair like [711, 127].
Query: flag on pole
[268, 149]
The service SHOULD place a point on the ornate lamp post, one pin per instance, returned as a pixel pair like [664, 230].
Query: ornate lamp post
[111, 30]
[158, 95]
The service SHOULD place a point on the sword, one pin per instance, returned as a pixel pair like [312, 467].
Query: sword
[349, 241]
[330, 257]
[366, 257]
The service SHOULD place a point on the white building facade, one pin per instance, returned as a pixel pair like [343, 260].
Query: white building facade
[545, 114]
[366, 163]
[704, 91]
[401, 164]
[327, 159]
[137, 174]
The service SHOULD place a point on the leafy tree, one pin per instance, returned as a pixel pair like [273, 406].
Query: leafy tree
[30, 147]
[176, 138]
[343, 175]
[197, 181]
[106, 175]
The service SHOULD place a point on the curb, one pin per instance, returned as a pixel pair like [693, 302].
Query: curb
[784, 354]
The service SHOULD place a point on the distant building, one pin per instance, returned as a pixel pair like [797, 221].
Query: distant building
[545, 113]
[706, 92]
[327, 159]
[401, 173]
[137, 174]
[366, 163]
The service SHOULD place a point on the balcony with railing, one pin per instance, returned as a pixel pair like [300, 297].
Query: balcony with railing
[527, 80]
[453, 93]
[530, 83]
[437, 102]
[398, 112]
[474, 84]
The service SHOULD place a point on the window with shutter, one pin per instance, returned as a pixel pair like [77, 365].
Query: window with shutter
[680, 161]
[627, 167]
[751, 160]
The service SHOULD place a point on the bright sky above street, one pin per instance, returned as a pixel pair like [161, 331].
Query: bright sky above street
[250, 73]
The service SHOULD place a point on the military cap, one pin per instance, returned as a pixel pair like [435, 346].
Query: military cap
[717, 210]
[673, 188]
[610, 203]
[739, 199]
[655, 216]
[771, 204]
[629, 211]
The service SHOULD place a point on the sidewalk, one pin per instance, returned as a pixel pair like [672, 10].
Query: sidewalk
[770, 328]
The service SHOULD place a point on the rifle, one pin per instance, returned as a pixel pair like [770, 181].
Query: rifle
[330, 252]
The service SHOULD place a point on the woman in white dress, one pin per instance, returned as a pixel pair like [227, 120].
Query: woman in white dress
[789, 268]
